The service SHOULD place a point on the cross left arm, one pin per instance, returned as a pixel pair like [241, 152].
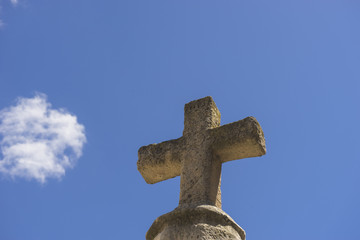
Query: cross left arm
[158, 162]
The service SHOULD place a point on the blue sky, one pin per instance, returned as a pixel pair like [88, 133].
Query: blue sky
[125, 69]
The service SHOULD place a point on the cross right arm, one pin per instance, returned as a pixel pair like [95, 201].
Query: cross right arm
[237, 140]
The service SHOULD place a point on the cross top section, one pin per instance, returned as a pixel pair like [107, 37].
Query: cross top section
[200, 115]
[197, 156]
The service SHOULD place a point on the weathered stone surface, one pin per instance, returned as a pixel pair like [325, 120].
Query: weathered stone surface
[197, 157]
[237, 140]
[202, 222]
[158, 162]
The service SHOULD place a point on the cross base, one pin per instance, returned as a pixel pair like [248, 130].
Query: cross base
[202, 222]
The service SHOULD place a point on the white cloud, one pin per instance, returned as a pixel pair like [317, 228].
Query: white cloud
[14, 2]
[38, 142]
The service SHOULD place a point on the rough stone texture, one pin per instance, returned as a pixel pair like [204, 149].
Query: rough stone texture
[202, 222]
[197, 157]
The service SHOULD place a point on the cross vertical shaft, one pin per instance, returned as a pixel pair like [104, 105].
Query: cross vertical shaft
[201, 171]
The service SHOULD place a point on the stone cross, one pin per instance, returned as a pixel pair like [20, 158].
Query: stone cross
[197, 156]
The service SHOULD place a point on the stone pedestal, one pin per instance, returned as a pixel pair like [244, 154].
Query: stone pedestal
[203, 222]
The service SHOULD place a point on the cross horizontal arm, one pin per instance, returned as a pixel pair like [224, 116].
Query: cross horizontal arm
[241, 139]
[158, 162]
